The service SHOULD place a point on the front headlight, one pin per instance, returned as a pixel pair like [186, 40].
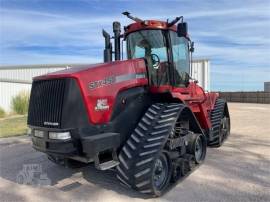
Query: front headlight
[39, 133]
[59, 135]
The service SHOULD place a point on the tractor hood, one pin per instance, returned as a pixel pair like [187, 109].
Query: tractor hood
[99, 85]
[98, 70]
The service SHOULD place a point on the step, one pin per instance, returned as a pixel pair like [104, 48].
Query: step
[107, 165]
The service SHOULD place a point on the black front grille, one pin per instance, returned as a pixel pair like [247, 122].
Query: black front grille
[46, 103]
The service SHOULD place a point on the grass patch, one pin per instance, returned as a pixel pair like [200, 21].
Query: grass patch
[13, 126]
[2, 112]
[20, 102]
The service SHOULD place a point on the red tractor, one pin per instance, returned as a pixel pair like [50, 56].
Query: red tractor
[145, 115]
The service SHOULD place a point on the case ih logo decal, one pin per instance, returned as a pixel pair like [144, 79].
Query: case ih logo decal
[102, 104]
[100, 83]
[114, 79]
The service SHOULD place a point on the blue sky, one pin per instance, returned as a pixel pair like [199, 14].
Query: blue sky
[234, 35]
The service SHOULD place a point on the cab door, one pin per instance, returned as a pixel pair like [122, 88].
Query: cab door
[180, 57]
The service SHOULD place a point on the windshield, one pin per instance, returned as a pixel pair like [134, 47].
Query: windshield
[145, 43]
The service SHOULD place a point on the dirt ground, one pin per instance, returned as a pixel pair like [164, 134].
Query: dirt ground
[238, 171]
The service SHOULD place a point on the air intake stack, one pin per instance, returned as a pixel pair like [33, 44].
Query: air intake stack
[107, 55]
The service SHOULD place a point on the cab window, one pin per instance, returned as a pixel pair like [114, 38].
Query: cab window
[180, 51]
[145, 44]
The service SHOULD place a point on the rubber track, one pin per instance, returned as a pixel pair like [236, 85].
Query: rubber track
[144, 145]
[216, 116]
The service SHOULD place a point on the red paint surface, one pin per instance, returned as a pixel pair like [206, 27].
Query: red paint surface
[200, 103]
[85, 75]
[149, 24]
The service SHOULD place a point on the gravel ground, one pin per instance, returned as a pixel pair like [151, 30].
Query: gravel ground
[238, 171]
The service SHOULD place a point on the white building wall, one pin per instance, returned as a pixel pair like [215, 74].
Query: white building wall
[267, 86]
[8, 91]
[201, 72]
[14, 79]
[25, 74]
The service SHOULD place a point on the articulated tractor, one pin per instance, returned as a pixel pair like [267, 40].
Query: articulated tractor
[146, 116]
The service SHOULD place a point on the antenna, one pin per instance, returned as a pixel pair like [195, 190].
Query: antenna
[175, 21]
[132, 17]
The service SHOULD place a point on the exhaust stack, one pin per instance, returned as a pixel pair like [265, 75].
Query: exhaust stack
[117, 32]
[107, 54]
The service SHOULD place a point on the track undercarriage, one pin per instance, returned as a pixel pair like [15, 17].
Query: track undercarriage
[161, 151]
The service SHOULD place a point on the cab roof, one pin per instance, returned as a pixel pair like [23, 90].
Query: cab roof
[148, 24]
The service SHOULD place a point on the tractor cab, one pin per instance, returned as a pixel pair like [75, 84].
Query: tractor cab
[165, 47]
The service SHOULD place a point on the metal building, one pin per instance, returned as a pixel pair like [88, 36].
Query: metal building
[14, 79]
[267, 86]
[201, 72]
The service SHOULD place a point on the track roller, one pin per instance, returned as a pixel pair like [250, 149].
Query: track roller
[197, 147]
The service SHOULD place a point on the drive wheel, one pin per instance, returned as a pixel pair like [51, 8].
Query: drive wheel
[200, 149]
[161, 173]
[224, 128]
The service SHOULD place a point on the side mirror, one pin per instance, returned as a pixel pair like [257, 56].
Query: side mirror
[182, 29]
